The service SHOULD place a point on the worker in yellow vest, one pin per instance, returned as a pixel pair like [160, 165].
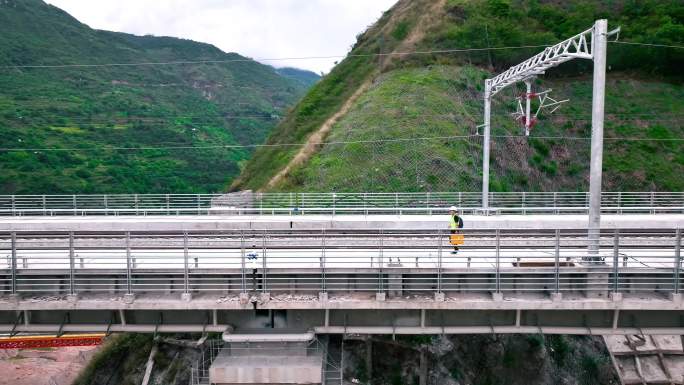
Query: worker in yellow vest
[455, 223]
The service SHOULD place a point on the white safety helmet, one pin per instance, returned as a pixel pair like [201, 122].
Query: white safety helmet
[453, 208]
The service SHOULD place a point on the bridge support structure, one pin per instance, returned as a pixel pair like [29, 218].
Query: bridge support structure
[465, 314]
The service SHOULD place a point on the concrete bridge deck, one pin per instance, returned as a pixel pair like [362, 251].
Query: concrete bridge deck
[300, 222]
[455, 313]
[331, 281]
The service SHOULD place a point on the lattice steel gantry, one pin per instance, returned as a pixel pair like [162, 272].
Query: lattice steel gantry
[590, 44]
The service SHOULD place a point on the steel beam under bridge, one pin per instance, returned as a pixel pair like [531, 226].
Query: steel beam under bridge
[606, 319]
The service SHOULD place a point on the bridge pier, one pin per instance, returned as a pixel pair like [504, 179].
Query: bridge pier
[268, 358]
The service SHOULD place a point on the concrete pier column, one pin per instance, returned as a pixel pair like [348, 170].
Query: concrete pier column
[268, 359]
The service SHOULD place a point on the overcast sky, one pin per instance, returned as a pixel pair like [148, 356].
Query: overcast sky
[254, 28]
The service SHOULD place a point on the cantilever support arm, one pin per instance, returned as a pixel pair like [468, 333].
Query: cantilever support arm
[576, 47]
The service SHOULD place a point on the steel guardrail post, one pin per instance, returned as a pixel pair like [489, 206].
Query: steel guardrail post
[44, 205]
[619, 202]
[323, 286]
[616, 256]
[523, 203]
[13, 205]
[498, 261]
[263, 274]
[13, 262]
[586, 201]
[380, 283]
[128, 263]
[439, 261]
[396, 202]
[242, 261]
[186, 274]
[555, 202]
[71, 263]
[678, 259]
[557, 261]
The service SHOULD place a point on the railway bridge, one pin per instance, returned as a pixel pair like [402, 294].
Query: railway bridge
[282, 268]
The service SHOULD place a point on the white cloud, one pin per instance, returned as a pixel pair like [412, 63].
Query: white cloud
[254, 28]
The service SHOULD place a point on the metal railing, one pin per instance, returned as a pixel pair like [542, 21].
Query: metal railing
[247, 203]
[199, 371]
[339, 261]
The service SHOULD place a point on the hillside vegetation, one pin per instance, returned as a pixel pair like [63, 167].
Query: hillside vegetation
[440, 95]
[512, 359]
[71, 117]
[442, 102]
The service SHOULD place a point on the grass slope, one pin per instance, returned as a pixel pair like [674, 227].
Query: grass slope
[237, 102]
[444, 101]
[329, 94]
[649, 77]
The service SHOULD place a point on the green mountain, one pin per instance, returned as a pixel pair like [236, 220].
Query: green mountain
[409, 122]
[73, 117]
[305, 77]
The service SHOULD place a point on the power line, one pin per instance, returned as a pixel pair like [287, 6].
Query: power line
[648, 44]
[235, 146]
[183, 62]
[635, 139]
[169, 119]
[369, 141]
[161, 118]
[425, 52]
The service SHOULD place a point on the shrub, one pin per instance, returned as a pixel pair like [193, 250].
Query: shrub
[401, 30]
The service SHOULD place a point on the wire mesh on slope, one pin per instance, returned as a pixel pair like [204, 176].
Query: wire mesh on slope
[425, 164]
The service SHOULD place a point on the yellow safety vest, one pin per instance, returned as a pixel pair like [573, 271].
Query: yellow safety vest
[453, 225]
[455, 239]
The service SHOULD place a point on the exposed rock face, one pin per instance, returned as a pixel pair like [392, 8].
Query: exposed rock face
[482, 359]
[43, 366]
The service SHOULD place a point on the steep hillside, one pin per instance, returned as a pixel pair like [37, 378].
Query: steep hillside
[72, 117]
[376, 113]
[482, 360]
[441, 106]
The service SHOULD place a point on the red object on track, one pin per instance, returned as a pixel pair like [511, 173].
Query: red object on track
[33, 342]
